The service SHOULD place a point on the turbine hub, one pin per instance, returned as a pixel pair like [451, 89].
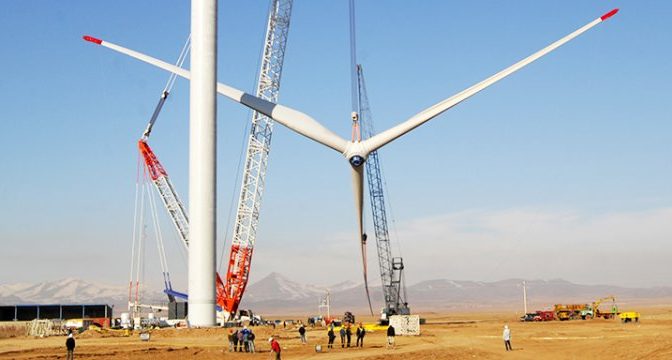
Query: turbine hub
[356, 154]
[356, 161]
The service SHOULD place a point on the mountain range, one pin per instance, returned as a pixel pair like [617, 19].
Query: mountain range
[276, 294]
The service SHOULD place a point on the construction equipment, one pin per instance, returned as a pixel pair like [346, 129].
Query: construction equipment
[159, 177]
[348, 318]
[530, 317]
[391, 268]
[176, 210]
[248, 316]
[229, 293]
[357, 161]
[256, 161]
[568, 311]
[629, 316]
[593, 311]
[545, 315]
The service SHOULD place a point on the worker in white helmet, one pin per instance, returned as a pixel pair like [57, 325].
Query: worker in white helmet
[506, 335]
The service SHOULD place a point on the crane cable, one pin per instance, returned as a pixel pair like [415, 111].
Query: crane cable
[168, 88]
[159, 237]
[356, 131]
[135, 229]
[140, 190]
[140, 247]
[354, 83]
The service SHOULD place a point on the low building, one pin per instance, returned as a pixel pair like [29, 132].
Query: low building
[101, 313]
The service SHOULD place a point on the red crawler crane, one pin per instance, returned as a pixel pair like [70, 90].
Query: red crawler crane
[175, 209]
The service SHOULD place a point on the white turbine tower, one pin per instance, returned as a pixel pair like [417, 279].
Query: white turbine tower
[354, 151]
[202, 163]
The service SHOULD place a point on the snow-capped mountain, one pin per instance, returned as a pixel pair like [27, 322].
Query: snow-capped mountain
[66, 291]
[277, 294]
[276, 286]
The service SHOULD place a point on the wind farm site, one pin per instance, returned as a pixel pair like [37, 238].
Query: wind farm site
[307, 275]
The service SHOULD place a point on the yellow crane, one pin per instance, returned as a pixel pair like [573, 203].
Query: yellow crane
[594, 310]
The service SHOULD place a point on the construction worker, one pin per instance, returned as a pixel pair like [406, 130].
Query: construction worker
[240, 340]
[275, 348]
[233, 339]
[360, 335]
[348, 333]
[331, 336]
[246, 339]
[70, 345]
[302, 334]
[390, 336]
[506, 335]
[250, 341]
[342, 333]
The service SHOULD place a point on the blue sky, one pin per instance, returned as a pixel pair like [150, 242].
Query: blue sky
[560, 171]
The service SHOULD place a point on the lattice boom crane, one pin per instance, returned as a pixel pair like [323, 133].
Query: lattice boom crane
[391, 268]
[230, 293]
[176, 210]
[167, 192]
[256, 161]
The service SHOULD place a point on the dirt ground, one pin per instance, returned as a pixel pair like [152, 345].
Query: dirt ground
[445, 336]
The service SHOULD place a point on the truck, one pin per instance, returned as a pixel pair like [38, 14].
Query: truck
[539, 315]
[593, 310]
[249, 316]
[629, 316]
[530, 317]
[569, 311]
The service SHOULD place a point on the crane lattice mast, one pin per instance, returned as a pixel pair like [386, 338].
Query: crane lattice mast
[176, 211]
[391, 268]
[166, 191]
[256, 161]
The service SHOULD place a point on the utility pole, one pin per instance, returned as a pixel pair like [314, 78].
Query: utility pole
[524, 297]
[202, 162]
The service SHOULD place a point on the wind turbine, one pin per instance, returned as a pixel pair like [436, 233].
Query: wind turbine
[356, 150]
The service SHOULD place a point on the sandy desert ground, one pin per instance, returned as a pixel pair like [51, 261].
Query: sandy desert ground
[445, 336]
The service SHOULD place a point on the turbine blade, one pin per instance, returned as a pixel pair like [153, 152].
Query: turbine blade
[358, 187]
[293, 119]
[420, 118]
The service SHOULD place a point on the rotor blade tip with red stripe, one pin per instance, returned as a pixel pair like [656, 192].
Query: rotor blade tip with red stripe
[609, 14]
[92, 39]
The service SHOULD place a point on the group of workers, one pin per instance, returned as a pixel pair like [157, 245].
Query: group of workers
[346, 335]
[241, 340]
